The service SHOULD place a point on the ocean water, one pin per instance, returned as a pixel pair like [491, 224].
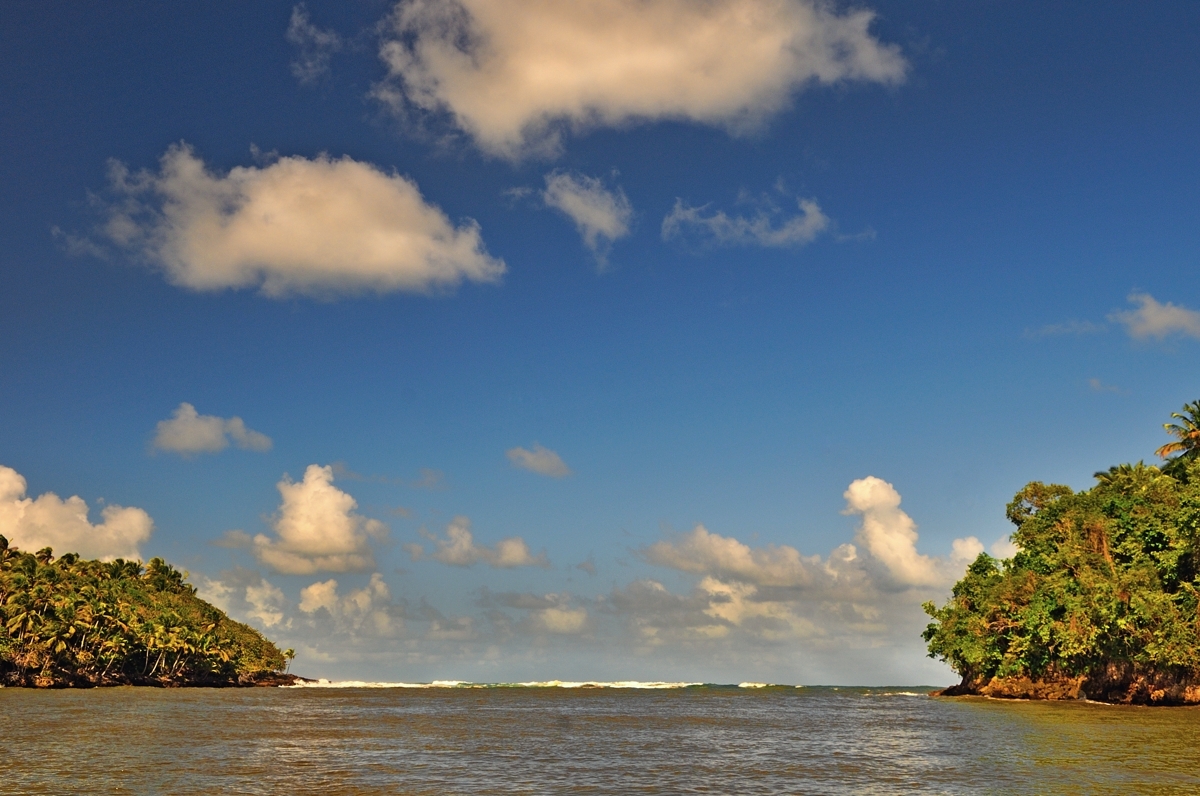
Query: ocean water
[565, 738]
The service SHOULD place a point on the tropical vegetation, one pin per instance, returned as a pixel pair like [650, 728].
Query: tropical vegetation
[1101, 598]
[69, 621]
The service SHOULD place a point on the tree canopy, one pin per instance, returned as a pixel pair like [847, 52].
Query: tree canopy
[71, 621]
[1103, 590]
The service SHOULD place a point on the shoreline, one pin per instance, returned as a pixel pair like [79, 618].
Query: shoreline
[256, 680]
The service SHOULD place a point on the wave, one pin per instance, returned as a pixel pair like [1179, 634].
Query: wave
[365, 684]
[653, 685]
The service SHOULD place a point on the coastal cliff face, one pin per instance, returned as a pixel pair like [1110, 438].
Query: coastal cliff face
[1115, 684]
[1100, 602]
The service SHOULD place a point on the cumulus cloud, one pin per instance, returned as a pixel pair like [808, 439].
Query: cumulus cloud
[315, 47]
[542, 461]
[890, 535]
[266, 603]
[765, 228]
[514, 73]
[703, 552]
[1003, 548]
[369, 608]
[1152, 319]
[50, 521]
[317, 529]
[774, 592]
[323, 226]
[459, 549]
[245, 593]
[188, 433]
[601, 216]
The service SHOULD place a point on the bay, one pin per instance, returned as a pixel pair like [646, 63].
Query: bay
[558, 740]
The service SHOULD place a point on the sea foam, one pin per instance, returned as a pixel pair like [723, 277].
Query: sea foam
[656, 685]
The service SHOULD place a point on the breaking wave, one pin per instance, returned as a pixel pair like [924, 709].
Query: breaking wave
[464, 684]
[655, 685]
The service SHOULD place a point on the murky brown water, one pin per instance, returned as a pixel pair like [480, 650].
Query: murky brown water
[563, 741]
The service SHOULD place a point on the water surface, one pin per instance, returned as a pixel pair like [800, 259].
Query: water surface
[539, 740]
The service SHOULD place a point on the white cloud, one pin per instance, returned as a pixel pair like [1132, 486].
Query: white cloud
[514, 73]
[317, 529]
[703, 552]
[319, 595]
[888, 533]
[247, 595]
[322, 227]
[315, 46]
[188, 433]
[369, 608]
[1152, 319]
[1004, 548]
[459, 549]
[539, 460]
[739, 604]
[266, 603]
[50, 521]
[761, 229]
[774, 592]
[564, 621]
[601, 216]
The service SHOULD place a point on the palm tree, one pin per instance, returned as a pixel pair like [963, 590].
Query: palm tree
[1187, 439]
[1131, 477]
[290, 654]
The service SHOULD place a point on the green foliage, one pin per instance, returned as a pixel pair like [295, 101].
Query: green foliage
[1186, 446]
[71, 620]
[1109, 575]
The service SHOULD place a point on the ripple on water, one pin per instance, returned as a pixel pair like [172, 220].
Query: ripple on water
[559, 736]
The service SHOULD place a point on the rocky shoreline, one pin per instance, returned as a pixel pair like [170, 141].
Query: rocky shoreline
[1116, 684]
[58, 680]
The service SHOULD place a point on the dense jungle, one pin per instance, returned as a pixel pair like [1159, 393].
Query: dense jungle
[1101, 599]
[69, 621]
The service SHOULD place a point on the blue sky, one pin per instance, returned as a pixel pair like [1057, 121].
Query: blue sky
[589, 308]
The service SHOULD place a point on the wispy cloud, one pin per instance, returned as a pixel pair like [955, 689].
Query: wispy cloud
[1098, 386]
[514, 74]
[315, 47]
[601, 215]
[298, 226]
[459, 549]
[188, 432]
[542, 461]
[767, 227]
[545, 613]
[1153, 319]
[430, 479]
[1069, 328]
